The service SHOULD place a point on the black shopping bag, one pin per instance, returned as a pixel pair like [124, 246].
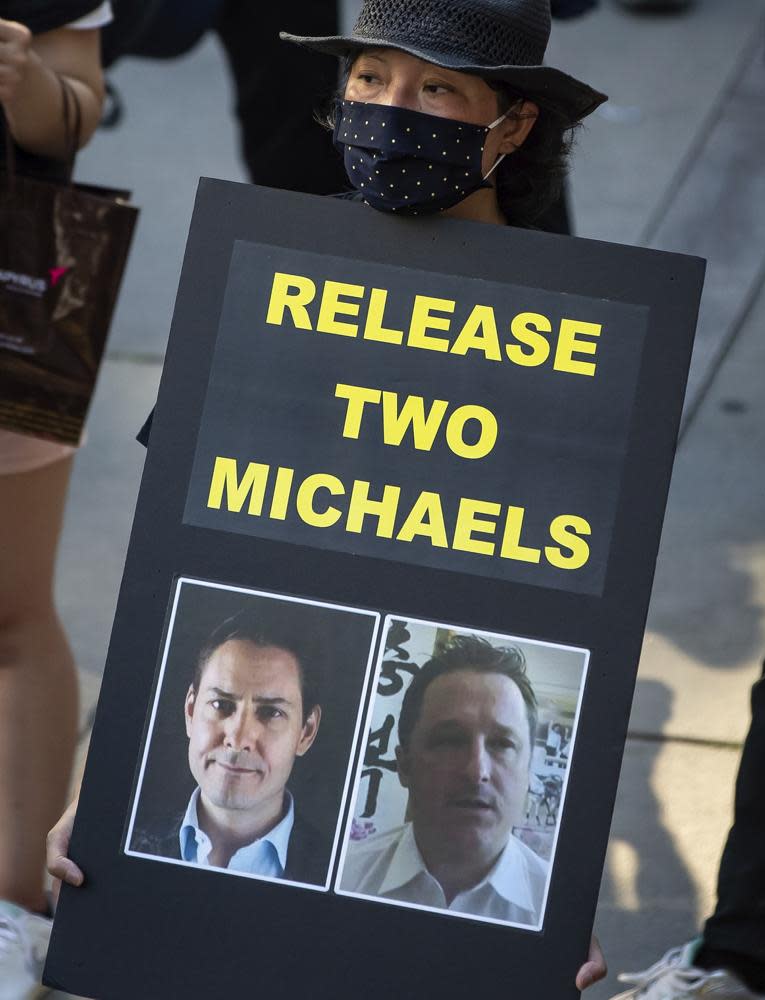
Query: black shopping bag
[63, 249]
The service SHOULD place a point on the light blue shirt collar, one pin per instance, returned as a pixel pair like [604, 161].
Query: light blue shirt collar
[266, 855]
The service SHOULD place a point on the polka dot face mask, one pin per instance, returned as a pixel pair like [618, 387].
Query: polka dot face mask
[409, 162]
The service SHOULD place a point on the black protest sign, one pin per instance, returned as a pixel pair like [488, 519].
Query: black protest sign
[536, 414]
[412, 473]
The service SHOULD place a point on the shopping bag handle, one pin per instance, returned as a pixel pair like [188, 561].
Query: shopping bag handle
[71, 134]
[10, 157]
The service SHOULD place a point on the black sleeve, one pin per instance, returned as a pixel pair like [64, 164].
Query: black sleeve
[45, 15]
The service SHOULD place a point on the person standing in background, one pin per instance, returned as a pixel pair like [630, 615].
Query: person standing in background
[727, 959]
[40, 41]
[282, 143]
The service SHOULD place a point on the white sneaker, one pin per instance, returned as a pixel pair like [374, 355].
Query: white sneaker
[674, 977]
[24, 940]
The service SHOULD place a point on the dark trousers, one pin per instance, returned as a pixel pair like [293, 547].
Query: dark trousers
[280, 87]
[734, 936]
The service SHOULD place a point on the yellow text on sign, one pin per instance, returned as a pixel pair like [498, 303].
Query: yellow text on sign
[528, 339]
[399, 417]
[322, 500]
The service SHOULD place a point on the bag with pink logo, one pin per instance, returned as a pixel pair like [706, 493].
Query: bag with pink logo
[63, 249]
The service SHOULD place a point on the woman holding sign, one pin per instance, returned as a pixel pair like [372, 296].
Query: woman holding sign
[447, 108]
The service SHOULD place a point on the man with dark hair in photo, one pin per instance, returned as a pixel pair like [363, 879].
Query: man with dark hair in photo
[466, 733]
[251, 709]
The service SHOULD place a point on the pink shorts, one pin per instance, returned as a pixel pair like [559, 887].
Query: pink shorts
[19, 453]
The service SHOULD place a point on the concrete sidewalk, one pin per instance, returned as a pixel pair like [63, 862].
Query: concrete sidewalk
[674, 161]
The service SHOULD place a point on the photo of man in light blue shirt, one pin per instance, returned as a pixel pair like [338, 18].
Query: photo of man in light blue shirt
[251, 710]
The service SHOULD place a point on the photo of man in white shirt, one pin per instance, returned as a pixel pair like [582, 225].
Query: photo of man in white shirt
[466, 732]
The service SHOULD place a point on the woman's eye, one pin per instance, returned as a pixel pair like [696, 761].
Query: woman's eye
[368, 78]
[437, 88]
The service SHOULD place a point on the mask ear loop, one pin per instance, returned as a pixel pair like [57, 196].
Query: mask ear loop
[500, 158]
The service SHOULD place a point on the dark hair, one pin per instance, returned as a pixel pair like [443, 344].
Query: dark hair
[529, 181]
[467, 652]
[262, 630]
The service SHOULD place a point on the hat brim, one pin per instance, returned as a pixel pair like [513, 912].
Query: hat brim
[575, 99]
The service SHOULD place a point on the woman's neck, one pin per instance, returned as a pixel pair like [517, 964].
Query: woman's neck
[480, 206]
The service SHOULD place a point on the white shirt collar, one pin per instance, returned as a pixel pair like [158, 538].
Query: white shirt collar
[508, 877]
[406, 863]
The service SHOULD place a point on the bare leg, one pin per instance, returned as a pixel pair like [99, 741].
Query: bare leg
[38, 682]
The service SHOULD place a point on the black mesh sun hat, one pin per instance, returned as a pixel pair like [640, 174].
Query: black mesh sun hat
[501, 40]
